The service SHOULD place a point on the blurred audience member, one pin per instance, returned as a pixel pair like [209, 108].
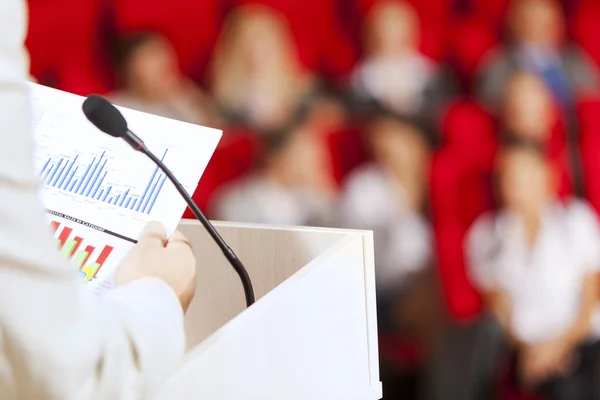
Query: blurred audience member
[151, 81]
[257, 79]
[387, 196]
[536, 262]
[293, 187]
[538, 44]
[529, 114]
[393, 73]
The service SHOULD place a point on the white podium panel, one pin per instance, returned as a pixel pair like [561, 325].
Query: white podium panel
[312, 333]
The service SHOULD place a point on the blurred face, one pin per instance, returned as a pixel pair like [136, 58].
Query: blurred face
[305, 161]
[524, 181]
[395, 144]
[387, 145]
[538, 22]
[152, 70]
[391, 29]
[264, 41]
[255, 67]
[528, 108]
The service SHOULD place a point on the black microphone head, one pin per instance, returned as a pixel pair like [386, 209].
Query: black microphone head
[104, 116]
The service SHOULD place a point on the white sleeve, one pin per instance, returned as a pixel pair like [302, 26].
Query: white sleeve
[57, 340]
[585, 230]
[479, 252]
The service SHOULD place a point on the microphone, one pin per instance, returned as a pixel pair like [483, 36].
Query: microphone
[109, 119]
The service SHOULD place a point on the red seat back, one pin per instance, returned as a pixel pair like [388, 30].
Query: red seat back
[589, 118]
[347, 151]
[64, 44]
[460, 192]
[448, 184]
[585, 29]
[470, 39]
[234, 157]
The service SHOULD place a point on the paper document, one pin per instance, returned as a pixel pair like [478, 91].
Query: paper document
[98, 191]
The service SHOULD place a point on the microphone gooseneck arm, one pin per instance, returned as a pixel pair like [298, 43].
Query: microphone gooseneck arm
[134, 141]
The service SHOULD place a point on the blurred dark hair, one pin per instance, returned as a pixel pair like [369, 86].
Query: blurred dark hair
[122, 48]
[376, 114]
[373, 111]
[512, 142]
[275, 142]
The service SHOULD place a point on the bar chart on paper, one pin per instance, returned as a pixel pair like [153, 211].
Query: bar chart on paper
[98, 193]
[93, 251]
[93, 177]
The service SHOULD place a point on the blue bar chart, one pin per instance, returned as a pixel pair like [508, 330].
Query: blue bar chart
[89, 180]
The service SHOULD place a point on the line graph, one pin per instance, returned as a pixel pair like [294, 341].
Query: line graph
[92, 180]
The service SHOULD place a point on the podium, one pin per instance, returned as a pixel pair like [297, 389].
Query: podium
[312, 333]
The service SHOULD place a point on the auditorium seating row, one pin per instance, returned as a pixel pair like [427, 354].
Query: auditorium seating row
[68, 45]
[461, 179]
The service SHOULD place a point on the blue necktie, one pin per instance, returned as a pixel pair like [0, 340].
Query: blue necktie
[555, 77]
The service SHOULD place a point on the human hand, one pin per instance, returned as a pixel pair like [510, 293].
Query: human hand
[170, 260]
[545, 360]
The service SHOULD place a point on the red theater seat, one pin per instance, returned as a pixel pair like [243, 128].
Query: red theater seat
[398, 351]
[559, 157]
[469, 129]
[589, 119]
[470, 39]
[235, 156]
[347, 151]
[447, 172]
[586, 23]
[460, 192]
[64, 44]
[491, 11]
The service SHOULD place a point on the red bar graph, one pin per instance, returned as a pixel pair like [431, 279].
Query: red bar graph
[74, 248]
[102, 258]
[64, 235]
[89, 250]
[54, 226]
[78, 240]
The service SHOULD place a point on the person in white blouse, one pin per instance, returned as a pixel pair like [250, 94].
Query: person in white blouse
[394, 74]
[536, 262]
[387, 196]
[148, 72]
[294, 186]
[58, 341]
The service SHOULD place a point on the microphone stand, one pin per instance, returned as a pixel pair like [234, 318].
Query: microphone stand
[227, 251]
